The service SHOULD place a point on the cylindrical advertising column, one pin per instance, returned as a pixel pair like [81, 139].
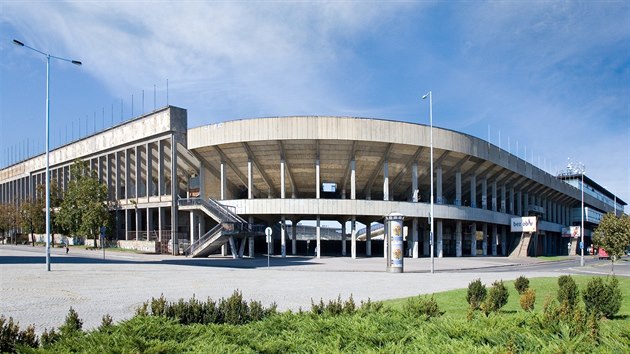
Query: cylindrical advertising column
[394, 225]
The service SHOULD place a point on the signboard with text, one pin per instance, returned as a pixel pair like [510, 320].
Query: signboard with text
[523, 224]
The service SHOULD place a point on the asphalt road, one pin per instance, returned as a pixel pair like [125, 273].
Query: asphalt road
[118, 284]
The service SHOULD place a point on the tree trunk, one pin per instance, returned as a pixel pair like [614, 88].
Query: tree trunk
[32, 239]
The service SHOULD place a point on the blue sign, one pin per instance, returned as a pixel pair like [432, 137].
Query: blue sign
[581, 245]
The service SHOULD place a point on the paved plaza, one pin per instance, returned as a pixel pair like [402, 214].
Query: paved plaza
[116, 285]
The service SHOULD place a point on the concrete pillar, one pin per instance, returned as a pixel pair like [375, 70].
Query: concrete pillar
[425, 241]
[438, 185]
[127, 222]
[473, 240]
[250, 181]
[127, 174]
[283, 241]
[519, 203]
[161, 169]
[414, 186]
[149, 173]
[251, 240]
[504, 245]
[138, 172]
[192, 227]
[318, 248]
[494, 196]
[160, 223]
[484, 242]
[282, 179]
[414, 238]
[317, 182]
[174, 186]
[293, 237]
[511, 208]
[223, 179]
[343, 238]
[473, 191]
[458, 188]
[503, 201]
[386, 180]
[525, 203]
[458, 238]
[353, 244]
[353, 180]
[440, 237]
[495, 239]
[138, 218]
[368, 240]
[484, 193]
[224, 250]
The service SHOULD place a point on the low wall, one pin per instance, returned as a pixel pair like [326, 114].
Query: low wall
[141, 246]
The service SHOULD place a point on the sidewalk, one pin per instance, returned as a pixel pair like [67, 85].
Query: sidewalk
[117, 285]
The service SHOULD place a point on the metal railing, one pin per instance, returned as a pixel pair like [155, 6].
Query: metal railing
[219, 210]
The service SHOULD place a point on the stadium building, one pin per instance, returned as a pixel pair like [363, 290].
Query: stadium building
[214, 188]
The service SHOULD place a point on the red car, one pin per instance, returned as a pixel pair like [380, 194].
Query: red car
[603, 254]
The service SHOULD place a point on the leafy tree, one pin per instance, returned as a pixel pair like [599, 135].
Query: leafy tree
[33, 217]
[9, 219]
[613, 235]
[84, 209]
[4, 220]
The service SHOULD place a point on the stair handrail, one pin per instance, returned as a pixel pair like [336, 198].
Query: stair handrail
[203, 239]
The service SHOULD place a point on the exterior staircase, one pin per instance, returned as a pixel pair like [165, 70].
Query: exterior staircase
[523, 245]
[231, 228]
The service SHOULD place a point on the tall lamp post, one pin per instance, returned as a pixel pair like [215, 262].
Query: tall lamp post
[75, 62]
[582, 231]
[430, 95]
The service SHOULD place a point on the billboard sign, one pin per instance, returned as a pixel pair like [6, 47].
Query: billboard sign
[575, 231]
[523, 224]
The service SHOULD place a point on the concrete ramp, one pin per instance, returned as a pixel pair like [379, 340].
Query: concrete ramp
[523, 245]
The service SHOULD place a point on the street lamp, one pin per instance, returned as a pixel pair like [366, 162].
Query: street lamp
[579, 167]
[430, 95]
[75, 62]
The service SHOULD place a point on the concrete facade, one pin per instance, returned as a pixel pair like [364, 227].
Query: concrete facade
[273, 171]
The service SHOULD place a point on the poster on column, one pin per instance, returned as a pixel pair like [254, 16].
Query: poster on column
[396, 230]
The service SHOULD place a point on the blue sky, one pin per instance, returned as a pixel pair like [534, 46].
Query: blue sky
[552, 76]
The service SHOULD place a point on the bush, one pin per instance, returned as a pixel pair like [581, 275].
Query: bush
[602, 299]
[422, 306]
[528, 299]
[106, 323]
[568, 292]
[521, 284]
[371, 307]
[11, 336]
[476, 294]
[72, 325]
[497, 297]
[334, 307]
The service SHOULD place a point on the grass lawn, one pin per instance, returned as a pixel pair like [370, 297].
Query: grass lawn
[454, 304]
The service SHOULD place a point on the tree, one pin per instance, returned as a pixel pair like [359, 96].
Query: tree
[84, 209]
[5, 224]
[33, 217]
[613, 235]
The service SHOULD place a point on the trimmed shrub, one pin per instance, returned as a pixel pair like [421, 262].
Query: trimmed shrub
[422, 306]
[11, 336]
[528, 299]
[497, 297]
[476, 293]
[72, 325]
[602, 298]
[568, 292]
[521, 284]
[371, 307]
[334, 307]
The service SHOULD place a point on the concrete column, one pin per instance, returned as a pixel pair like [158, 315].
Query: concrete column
[414, 188]
[318, 236]
[473, 240]
[353, 244]
[438, 185]
[110, 183]
[251, 240]
[192, 226]
[425, 241]
[317, 182]
[414, 238]
[127, 174]
[282, 180]
[127, 222]
[150, 188]
[353, 180]
[293, 237]
[174, 187]
[385, 242]
[440, 238]
[495, 239]
[525, 203]
[494, 196]
[458, 238]
[484, 193]
[484, 243]
[386, 180]
[223, 179]
[511, 209]
[161, 169]
[160, 223]
[138, 168]
[503, 201]
[504, 245]
[201, 230]
[149, 223]
[138, 218]
[224, 250]
[473, 191]
[343, 238]
[519, 203]
[368, 240]
[458, 188]
[250, 180]
[283, 241]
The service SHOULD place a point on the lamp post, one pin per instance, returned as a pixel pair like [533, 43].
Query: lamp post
[75, 62]
[430, 95]
[582, 226]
